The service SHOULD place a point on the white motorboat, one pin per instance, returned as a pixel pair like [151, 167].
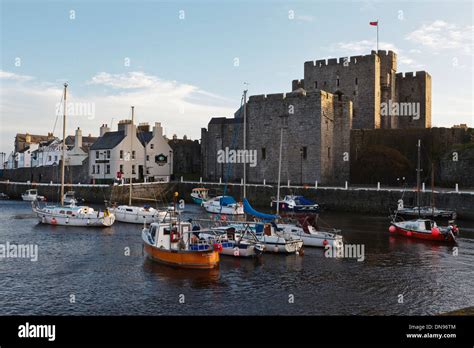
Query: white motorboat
[314, 238]
[32, 195]
[274, 241]
[73, 216]
[70, 198]
[223, 205]
[232, 242]
[139, 215]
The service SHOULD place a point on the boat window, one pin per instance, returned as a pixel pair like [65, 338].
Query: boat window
[61, 212]
[153, 231]
[69, 212]
[166, 231]
[129, 209]
[428, 225]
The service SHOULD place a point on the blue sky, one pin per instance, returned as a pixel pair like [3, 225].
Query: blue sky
[183, 71]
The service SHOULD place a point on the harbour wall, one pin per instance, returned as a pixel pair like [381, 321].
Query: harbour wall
[367, 200]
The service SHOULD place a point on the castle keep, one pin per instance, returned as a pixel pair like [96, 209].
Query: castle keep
[335, 96]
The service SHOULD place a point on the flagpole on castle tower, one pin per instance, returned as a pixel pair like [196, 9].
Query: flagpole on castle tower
[377, 36]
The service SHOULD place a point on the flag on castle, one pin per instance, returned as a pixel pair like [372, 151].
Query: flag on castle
[376, 24]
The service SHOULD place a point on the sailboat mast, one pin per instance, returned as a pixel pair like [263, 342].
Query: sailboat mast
[63, 146]
[432, 189]
[245, 144]
[418, 177]
[131, 158]
[279, 171]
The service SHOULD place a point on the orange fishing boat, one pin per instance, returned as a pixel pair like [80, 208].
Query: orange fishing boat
[175, 244]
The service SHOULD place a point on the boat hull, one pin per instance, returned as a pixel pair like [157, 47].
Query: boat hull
[197, 200]
[409, 233]
[238, 210]
[282, 247]
[207, 259]
[86, 221]
[133, 218]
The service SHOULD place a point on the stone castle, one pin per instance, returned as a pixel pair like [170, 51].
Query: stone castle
[317, 116]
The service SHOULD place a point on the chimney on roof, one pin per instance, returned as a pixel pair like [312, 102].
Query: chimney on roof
[144, 127]
[104, 129]
[27, 138]
[78, 138]
[157, 130]
[50, 136]
[185, 137]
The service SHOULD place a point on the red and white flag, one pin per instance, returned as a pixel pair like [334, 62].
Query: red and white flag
[374, 23]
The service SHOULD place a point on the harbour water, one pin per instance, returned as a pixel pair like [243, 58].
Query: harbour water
[88, 271]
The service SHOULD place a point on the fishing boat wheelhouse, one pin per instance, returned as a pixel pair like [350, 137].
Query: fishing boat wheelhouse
[175, 244]
[199, 195]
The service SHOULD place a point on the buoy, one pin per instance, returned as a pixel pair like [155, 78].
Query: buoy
[392, 229]
[409, 233]
[435, 231]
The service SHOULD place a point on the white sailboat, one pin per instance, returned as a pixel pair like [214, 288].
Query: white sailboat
[70, 215]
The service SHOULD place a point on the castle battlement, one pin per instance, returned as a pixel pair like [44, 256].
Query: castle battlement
[411, 74]
[320, 63]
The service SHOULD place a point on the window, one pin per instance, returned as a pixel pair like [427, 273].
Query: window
[329, 152]
[264, 153]
[356, 81]
[152, 146]
[147, 157]
[304, 152]
[133, 154]
[108, 153]
[93, 169]
[107, 169]
[55, 158]
[316, 84]
[97, 154]
[388, 79]
[98, 169]
[133, 169]
[325, 83]
[49, 158]
[121, 154]
[148, 170]
[121, 168]
[337, 82]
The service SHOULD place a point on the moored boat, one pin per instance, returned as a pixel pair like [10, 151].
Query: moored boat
[296, 204]
[425, 229]
[199, 195]
[313, 237]
[233, 243]
[223, 205]
[138, 215]
[32, 195]
[177, 245]
[73, 216]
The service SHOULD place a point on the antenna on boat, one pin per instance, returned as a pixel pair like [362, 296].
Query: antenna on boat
[64, 145]
[418, 177]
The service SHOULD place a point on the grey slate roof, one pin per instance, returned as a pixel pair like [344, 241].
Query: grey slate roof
[144, 137]
[108, 141]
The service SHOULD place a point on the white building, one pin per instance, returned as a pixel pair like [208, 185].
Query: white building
[131, 152]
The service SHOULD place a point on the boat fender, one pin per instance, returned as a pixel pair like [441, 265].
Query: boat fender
[53, 221]
[435, 231]
[325, 242]
[409, 233]
[217, 247]
[392, 229]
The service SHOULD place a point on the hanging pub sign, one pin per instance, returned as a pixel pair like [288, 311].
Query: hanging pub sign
[161, 159]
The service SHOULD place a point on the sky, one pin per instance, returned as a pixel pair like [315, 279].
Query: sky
[183, 62]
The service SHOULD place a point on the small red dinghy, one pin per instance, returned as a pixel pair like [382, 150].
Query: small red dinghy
[425, 229]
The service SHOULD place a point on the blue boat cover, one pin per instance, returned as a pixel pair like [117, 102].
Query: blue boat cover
[300, 200]
[227, 200]
[251, 211]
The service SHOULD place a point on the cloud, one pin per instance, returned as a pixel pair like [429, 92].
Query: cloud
[6, 75]
[363, 47]
[181, 108]
[440, 35]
